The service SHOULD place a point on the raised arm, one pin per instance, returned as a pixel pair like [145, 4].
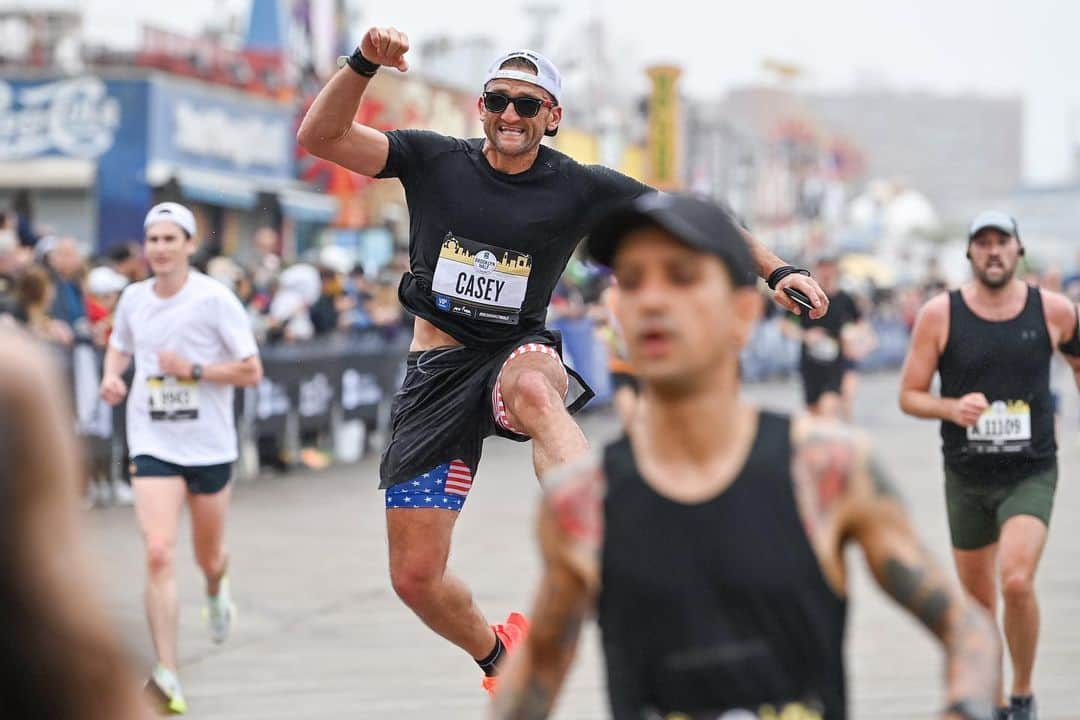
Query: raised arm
[570, 532]
[903, 568]
[329, 129]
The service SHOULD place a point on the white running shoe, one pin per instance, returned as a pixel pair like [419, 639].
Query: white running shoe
[163, 689]
[122, 494]
[220, 613]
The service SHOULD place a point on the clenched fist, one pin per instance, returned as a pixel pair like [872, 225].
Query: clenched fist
[967, 409]
[386, 46]
[113, 389]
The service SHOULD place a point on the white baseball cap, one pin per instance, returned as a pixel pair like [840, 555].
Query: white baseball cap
[547, 75]
[174, 213]
[996, 219]
[104, 280]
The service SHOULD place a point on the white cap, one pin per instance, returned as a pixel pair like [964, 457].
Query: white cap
[996, 219]
[174, 213]
[547, 75]
[104, 281]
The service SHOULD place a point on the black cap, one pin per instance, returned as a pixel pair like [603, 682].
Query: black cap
[700, 224]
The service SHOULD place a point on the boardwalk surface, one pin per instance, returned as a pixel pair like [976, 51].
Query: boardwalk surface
[321, 634]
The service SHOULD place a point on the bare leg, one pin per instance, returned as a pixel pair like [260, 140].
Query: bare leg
[1022, 540]
[419, 550]
[533, 388]
[208, 513]
[158, 502]
[977, 572]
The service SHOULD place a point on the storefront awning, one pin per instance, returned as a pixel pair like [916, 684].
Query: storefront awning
[217, 189]
[48, 172]
[304, 206]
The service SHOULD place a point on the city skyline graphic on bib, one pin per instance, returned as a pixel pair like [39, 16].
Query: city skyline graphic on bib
[512, 263]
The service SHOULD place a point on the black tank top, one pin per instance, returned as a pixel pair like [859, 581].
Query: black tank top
[718, 605]
[1009, 362]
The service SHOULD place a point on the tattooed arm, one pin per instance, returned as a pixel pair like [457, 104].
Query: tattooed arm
[570, 534]
[905, 570]
[844, 494]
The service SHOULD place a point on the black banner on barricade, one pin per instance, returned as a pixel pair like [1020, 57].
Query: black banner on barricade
[354, 375]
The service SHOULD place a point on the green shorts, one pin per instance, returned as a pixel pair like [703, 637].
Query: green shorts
[977, 510]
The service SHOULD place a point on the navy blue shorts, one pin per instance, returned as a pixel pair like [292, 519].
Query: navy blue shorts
[200, 479]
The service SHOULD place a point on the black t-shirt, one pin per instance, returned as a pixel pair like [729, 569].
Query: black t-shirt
[487, 248]
[842, 311]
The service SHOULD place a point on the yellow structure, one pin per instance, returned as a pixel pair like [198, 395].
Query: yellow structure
[665, 128]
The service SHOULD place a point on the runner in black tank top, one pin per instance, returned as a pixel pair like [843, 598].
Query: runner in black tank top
[1009, 363]
[733, 634]
[992, 341]
[711, 539]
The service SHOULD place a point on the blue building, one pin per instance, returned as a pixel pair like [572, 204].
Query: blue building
[92, 153]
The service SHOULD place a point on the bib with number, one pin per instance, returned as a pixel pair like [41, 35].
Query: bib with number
[824, 349]
[1002, 428]
[480, 282]
[172, 399]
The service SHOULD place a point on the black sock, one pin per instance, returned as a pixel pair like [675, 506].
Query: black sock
[490, 663]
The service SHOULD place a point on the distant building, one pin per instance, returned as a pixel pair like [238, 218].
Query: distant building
[771, 148]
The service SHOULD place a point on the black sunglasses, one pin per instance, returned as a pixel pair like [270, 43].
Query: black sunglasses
[525, 106]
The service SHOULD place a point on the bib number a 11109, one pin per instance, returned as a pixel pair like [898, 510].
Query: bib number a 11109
[1005, 426]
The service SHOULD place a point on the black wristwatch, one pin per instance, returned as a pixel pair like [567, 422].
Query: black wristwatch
[359, 64]
[196, 372]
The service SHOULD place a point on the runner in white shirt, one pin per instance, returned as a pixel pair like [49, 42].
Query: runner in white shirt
[192, 344]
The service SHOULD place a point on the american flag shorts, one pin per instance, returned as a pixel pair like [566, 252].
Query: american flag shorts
[445, 486]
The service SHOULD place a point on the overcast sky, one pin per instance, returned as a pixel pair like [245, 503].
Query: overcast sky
[993, 47]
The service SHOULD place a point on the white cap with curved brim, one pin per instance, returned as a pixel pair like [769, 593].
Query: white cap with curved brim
[174, 213]
[547, 75]
[996, 219]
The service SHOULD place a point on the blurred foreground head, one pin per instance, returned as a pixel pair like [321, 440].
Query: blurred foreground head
[60, 658]
[687, 301]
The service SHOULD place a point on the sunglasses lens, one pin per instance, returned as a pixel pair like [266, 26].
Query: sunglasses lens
[495, 103]
[526, 107]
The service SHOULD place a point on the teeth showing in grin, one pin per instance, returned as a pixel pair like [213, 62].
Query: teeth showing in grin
[511, 130]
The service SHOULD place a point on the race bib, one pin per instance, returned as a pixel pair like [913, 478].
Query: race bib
[172, 399]
[824, 349]
[480, 282]
[1003, 427]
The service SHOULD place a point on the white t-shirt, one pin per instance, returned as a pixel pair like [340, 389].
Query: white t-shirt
[181, 421]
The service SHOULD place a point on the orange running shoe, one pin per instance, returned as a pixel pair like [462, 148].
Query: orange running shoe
[512, 632]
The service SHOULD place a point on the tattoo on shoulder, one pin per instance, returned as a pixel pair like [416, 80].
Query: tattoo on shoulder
[577, 501]
[822, 464]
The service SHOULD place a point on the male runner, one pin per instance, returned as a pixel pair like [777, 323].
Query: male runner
[991, 341]
[192, 343]
[493, 223]
[827, 360]
[710, 539]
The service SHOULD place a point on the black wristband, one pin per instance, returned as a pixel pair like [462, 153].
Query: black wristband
[361, 65]
[782, 272]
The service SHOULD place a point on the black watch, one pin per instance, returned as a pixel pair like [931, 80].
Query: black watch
[359, 64]
[196, 371]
